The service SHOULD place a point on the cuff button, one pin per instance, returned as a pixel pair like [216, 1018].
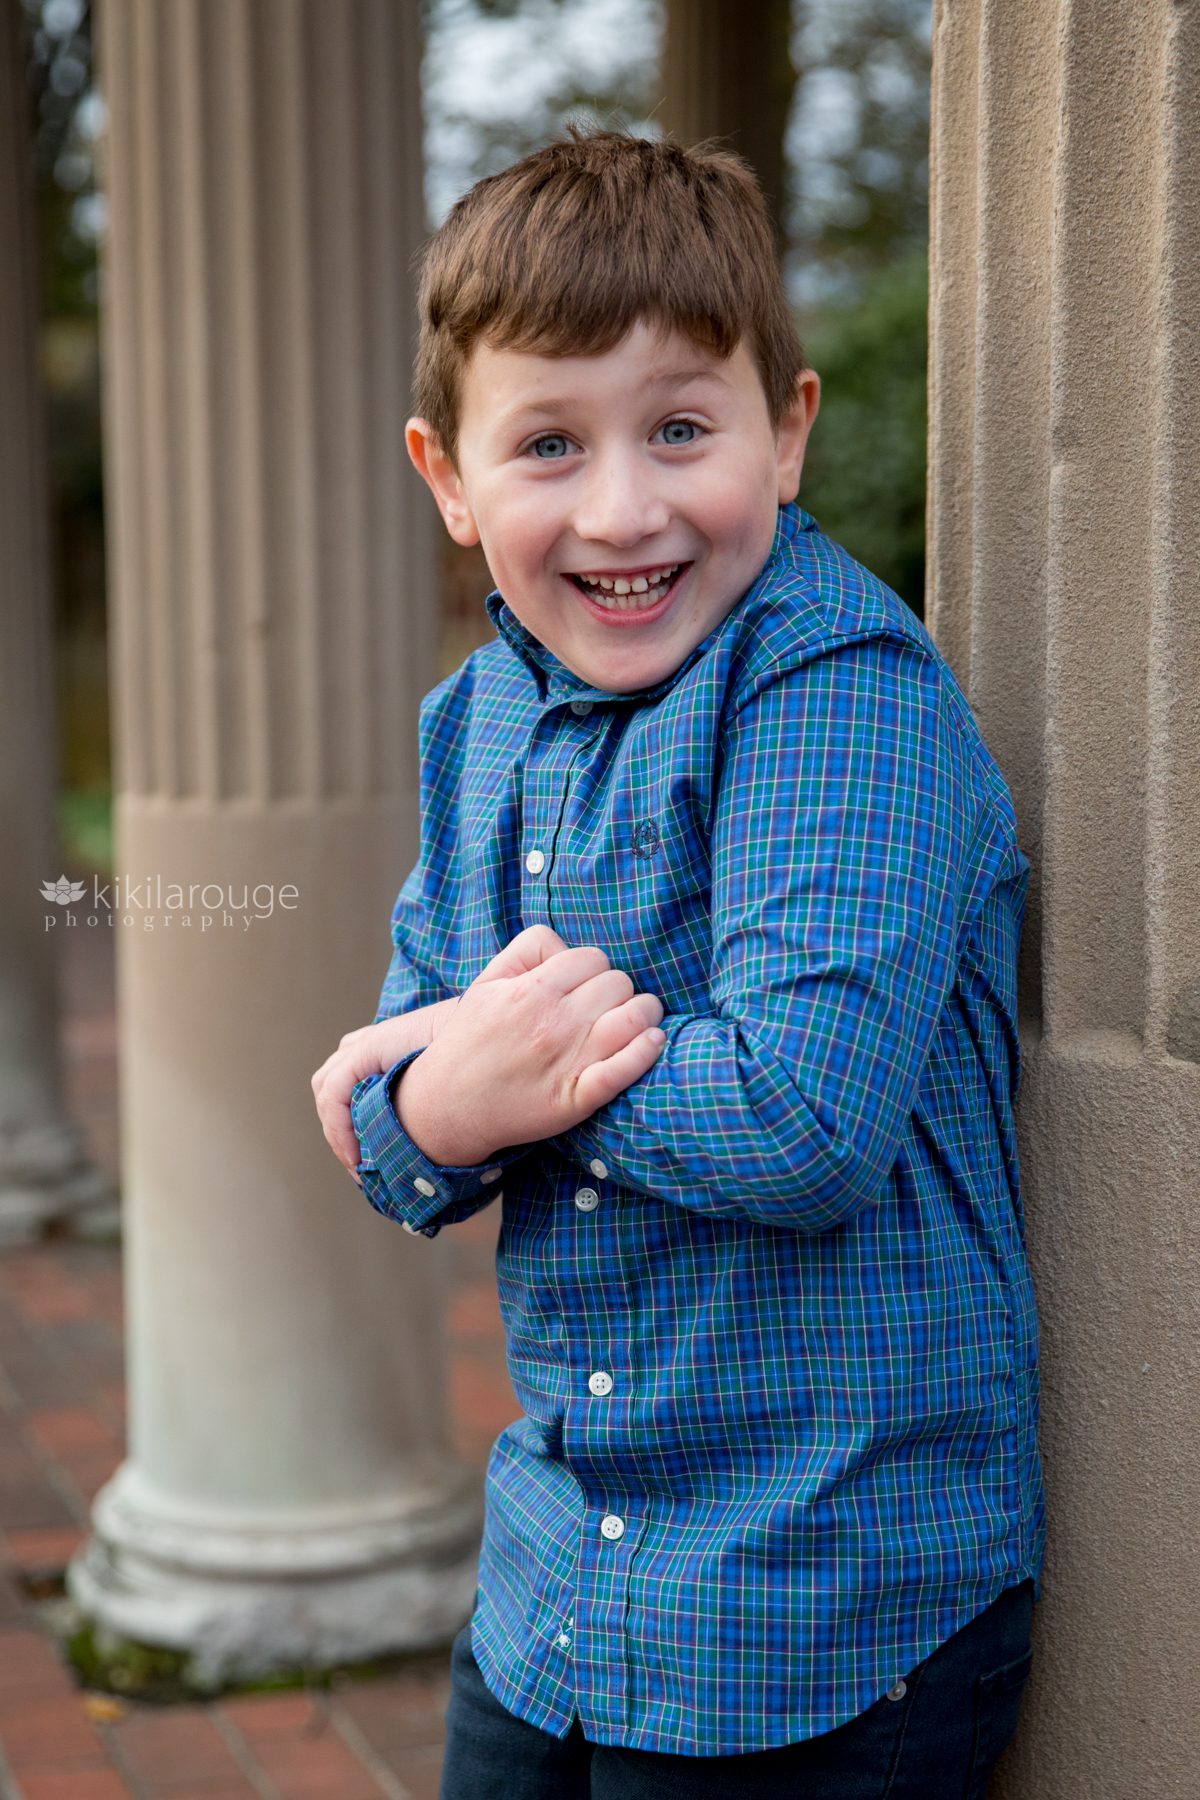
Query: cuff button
[425, 1187]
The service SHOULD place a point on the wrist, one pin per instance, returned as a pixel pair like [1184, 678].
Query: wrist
[435, 1135]
[414, 1030]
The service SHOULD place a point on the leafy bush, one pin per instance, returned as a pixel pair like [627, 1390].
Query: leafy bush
[864, 476]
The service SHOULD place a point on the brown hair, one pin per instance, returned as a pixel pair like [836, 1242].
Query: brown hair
[567, 249]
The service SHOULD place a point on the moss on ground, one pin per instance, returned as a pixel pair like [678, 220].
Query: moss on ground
[109, 1665]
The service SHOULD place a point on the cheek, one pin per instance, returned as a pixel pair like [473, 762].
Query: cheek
[741, 524]
[738, 502]
[522, 527]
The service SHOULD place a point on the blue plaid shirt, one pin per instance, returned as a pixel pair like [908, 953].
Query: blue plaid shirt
[768, 1313]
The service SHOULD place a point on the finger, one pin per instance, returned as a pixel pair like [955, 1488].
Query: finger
[337, 1056]
[621, 1024]
[333, 1110]
[601, 1082]
[342, 1074]
[537, 942]
[600, 993]
[341, 1137]
[530, 948]
[563, 973]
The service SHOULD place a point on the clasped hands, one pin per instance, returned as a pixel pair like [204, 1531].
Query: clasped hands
[543, 1037]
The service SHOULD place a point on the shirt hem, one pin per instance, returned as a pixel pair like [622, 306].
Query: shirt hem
[790, 1728]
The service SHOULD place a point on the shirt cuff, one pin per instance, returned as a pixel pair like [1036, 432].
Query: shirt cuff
[398, 1178]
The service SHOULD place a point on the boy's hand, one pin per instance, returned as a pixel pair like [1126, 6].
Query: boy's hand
[373, 1048]
[368, 1051]
[540, 1040]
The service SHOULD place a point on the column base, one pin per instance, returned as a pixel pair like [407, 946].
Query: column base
[242, 1602]
[45, 1179]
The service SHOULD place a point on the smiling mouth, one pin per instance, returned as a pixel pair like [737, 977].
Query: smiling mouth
[630, 594]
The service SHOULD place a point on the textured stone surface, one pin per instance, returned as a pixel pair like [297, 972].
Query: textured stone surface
[1064, 543]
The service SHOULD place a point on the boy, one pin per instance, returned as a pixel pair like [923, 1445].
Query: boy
[772, 1519]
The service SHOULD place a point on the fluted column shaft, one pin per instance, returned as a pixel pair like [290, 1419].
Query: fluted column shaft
[289, 1493]
[1064, 543]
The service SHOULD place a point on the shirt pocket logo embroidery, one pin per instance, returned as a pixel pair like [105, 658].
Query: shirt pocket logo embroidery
[646, 838]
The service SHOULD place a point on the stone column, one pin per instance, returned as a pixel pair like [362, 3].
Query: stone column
[727, 72]
[44, 1171]
[1064, 517]
[289, 1495]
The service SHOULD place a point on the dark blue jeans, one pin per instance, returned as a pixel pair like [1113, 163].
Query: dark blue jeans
[939, 1740]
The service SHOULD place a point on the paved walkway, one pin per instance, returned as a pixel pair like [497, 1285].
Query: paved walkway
[62, 1409]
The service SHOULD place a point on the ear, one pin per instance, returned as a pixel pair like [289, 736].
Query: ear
[435, 468]
[792, 437]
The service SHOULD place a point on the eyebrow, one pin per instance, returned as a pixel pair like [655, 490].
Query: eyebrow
[561, 402]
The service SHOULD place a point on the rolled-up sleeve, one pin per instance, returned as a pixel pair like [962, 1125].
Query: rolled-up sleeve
[841, 836]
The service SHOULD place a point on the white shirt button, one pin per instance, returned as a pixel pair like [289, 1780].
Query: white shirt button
[898, 1691]
[599, 1169]
[587, 1199]
[424, 1187]
[411, 1228]
[612, 1526]
[581, 708]
[491, 1175]
[601, 1382]
[563, 1640]
[535, 862]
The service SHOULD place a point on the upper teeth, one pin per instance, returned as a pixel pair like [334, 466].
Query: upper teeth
[638, 584]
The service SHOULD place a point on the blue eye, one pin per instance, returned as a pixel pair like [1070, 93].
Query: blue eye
[677, 424]
[551, 437]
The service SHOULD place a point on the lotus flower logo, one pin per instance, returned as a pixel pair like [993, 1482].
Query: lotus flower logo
[64, 890]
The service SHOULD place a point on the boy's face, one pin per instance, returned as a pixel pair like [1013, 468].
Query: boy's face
[653, 457]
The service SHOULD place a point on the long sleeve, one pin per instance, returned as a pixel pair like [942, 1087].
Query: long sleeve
[843, 825]
[397, 1177]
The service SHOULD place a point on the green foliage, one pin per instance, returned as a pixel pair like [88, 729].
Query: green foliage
[85, 828]
[860, 138]
[864, 476]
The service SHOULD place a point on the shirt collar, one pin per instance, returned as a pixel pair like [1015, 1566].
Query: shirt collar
[555, 680]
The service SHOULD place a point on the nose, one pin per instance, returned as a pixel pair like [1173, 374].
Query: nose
[620, 502]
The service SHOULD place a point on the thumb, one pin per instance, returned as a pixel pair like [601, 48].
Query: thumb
[531, 947]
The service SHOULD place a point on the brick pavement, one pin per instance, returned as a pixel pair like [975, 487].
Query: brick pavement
[62, 1410]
